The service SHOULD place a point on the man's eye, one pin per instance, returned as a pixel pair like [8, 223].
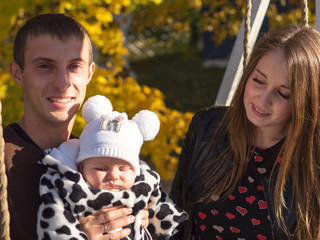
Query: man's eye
[75, 67]
[44, 66]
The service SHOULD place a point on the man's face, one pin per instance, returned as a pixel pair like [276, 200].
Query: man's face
[54, 79]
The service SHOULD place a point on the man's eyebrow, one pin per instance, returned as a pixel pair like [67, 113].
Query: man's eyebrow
[77, 60]
[51, 60]
[42, 59]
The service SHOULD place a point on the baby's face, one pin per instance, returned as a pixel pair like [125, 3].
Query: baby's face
[108, 173]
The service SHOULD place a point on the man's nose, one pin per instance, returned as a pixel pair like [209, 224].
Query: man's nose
[62, 80]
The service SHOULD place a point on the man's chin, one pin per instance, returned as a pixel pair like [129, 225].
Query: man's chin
[60, 119]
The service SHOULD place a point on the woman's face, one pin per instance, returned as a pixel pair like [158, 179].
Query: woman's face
[267, 95]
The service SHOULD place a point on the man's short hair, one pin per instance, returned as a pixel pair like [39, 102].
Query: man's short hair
[54, 24]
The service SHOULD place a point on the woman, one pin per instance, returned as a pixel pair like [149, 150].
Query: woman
[251, 171]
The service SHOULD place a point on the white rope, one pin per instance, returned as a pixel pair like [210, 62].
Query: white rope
[246, 32]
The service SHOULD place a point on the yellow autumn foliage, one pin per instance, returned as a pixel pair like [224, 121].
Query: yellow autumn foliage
[222, 17]
[126, 94]
[98, 16]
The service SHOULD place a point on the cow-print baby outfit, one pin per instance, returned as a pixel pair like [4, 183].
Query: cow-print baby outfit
[243, 215]
[66, 197]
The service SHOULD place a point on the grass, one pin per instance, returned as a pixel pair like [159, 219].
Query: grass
[187, 86]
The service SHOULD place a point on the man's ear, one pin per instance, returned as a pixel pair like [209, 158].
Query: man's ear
[91, 71]
[16, 72]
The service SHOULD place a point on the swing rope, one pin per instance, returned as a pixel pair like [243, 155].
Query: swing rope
[4, 213]
[304, 20]
[246, 32]
[304, 12]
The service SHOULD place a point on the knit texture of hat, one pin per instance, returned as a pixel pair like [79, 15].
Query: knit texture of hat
[66, 153]
[111, 134]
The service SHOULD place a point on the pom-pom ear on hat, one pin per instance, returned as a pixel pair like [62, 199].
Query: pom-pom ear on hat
[111, 134]
[95, 107]
[149, 124]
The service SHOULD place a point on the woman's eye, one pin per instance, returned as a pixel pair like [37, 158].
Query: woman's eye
[284, 96]
[257, 80]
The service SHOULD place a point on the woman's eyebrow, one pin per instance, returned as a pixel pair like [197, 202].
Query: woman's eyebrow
[259, 71]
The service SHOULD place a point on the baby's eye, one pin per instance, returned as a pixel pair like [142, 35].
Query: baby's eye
[125, 168]
[99, 169]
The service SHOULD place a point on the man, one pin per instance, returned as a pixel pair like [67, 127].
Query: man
[53, 64]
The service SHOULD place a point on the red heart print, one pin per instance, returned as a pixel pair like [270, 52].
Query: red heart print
[261, 237]
[219, 238]
[231, 197]
[259, 188]
[262, 170]
[242, 189]
[214, 212]
[258, 158]
[203, 227]
[234, 230]
[255, 222]
[215, 197]
[218, 228]
[250, 199]
[251, 180]
[230, 216]
[202, 215]
[262, 204]
[279, 160]
[241, 210]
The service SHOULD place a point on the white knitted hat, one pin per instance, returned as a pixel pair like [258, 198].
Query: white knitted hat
[66, 153]
[111, 134]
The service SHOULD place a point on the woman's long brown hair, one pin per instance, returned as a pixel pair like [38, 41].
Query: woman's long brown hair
[300, 152]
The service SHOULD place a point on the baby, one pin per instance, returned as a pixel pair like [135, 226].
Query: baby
[107, 156]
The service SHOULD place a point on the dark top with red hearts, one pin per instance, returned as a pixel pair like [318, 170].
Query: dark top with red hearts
[243, 214]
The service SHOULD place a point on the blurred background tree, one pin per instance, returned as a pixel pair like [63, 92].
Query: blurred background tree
[148, 55]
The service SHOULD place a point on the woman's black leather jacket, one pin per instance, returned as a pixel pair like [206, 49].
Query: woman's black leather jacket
[197, 150]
